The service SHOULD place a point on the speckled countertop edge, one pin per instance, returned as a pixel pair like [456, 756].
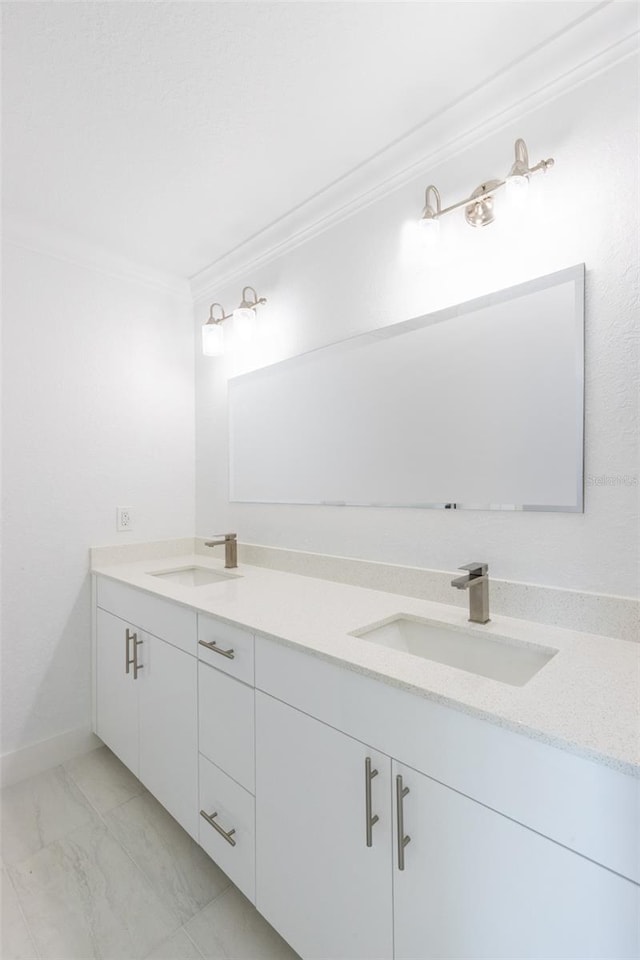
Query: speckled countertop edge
[585, 700]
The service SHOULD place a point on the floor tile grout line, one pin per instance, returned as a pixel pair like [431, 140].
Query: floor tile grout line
[191, 940]
[34, 942]
[116, 806]
[229, 886]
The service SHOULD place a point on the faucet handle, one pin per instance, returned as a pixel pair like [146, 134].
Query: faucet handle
[476, 569]
[227, 536]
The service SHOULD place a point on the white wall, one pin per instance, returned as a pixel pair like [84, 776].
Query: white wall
[363, 273]
[98, 412]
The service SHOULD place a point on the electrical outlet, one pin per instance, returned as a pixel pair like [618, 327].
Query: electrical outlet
[124, 518]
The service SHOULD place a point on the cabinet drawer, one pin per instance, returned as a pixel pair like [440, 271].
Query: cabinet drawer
[232, 650]
[158, 616]
[226, 724]
[234, 810]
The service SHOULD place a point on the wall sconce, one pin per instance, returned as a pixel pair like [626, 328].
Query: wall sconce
[212, 333]
[478, 208]
[243, 320]
[244, 316]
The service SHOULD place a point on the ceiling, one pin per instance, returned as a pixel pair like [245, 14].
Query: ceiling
[171, 132]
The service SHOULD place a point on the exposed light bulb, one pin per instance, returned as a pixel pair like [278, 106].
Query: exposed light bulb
[244, 322]
[212, 339]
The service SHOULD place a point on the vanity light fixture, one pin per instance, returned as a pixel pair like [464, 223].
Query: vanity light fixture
[244, 316]
[479, 207]
[243, 320]
[212, 333]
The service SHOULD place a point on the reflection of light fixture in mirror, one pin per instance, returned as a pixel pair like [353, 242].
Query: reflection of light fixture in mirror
[479, 207]
[212, 333]
[429, 223]
[244, 316]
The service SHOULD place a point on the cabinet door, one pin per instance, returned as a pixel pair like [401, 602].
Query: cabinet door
[476, 884]
[317, 881]
[116, 691]
[168, 691]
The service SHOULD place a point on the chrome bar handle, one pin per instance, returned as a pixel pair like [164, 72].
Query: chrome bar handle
[227, 834]
[212, 645]
[403, 840]
[129, 635]
[136, 666]
[369, 774]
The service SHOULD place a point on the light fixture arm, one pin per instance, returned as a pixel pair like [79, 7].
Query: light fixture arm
[213, 319]
[247, 304]
[432, 210]
[471, 198]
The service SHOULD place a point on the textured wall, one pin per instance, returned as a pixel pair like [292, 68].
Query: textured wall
[98, 412]
[364, 273]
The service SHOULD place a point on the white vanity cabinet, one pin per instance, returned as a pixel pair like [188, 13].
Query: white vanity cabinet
[317, 881]
[365, 821]
[147, 694]
[477, 881]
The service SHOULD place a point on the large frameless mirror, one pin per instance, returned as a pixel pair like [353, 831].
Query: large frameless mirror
[479, 406]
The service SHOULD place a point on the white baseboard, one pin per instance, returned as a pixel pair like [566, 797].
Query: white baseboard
[42, 756]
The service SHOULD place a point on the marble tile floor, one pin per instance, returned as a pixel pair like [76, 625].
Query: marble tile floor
[94, 867]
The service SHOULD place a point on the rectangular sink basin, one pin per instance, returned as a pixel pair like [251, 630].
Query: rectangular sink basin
[500, 658]
[194, 576]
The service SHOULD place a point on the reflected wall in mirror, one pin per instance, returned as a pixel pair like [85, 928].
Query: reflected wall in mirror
[478, 406]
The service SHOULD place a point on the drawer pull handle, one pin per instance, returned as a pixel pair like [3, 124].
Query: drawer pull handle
[129, 635]
[210, 818]
[230, 654]
[369, 774]
[403, 840]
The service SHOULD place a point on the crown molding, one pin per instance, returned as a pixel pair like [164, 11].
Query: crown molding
[597, 42]
[37, 237]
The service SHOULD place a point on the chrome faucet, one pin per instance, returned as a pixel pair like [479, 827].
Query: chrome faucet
[230, 541]
[477, 583]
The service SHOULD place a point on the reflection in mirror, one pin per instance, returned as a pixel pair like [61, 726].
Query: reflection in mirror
[479, 406]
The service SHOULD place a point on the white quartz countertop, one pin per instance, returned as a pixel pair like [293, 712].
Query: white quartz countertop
[586, 699]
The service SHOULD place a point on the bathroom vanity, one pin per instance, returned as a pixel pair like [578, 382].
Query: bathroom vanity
[370, 802]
